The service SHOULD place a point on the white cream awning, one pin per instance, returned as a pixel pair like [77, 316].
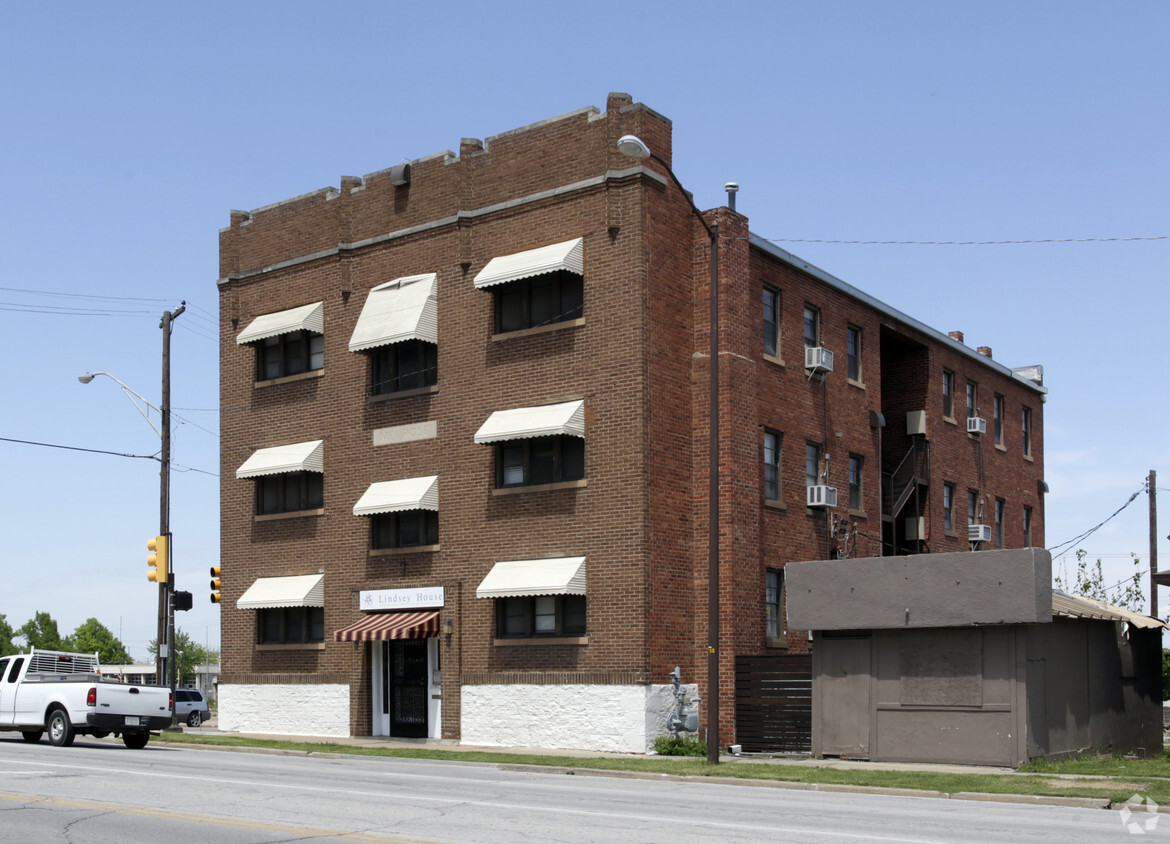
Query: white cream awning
[516, 578]
[569, 255]
[280, 459]
[404, 309]
[304, 318]
[396, 496]
[525, 422]
[297, 590]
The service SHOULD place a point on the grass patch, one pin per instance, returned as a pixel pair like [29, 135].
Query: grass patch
[1104, 777]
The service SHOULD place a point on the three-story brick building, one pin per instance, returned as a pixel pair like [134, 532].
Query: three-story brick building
[465, 444]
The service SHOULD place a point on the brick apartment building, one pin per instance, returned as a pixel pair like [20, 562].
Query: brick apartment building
[465, 444]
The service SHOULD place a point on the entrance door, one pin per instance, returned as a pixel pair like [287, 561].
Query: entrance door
[845, 704]
[405, 687]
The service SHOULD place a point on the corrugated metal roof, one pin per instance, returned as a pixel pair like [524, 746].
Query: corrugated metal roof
[297, 590]
[294, 457]
[514, 578]
[404, 309]
[304, 318]
[1077, 606]
[395, 496]
[569, 255]
[525, 422]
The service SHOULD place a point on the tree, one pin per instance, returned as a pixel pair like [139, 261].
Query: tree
[188, 654]
[41, 632]
[92, 636]
[6, 634]
[1089, 582]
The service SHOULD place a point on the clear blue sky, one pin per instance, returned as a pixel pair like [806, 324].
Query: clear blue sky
[131, 130]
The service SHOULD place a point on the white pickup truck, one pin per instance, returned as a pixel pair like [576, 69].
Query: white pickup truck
[65, 694]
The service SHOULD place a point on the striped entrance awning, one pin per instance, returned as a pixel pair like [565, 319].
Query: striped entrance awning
[381, 626]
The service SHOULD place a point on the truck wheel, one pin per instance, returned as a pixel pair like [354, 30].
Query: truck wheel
[33, 736]
[61, 732]
[195, 718]
[135, 741]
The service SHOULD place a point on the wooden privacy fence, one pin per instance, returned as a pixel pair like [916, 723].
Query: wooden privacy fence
[773, 703]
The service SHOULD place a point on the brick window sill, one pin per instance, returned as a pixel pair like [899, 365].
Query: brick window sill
[551, 640]
[778, 361]
[775, 504]
[854, 383]
[408, 549]
[515, 490]
[288, 379]
[540, 329]
[295, 514]
[404, 394]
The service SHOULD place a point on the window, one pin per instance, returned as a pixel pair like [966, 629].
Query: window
[812, 464]
[972, 399]
[290, 625]
[999, 523]
[998, 411]
[812, 326]
[853, 352]
[855, 464]
[1026, 431]
[972, 507]
[539, 300]
[289, 354]
[1027, 527]
[774, 603]
[771, 321]
[948, 507]
[15, 672]
[948, 394]
[540, 615]
[772, 441]
[403, 366]
[405, 529]
[289, 492]
[540, 460]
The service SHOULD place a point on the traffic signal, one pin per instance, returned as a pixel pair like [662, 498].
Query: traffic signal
[215, 596]
[181, 601]
[159, 561]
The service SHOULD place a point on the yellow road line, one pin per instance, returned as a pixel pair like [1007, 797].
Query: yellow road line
[166, 814]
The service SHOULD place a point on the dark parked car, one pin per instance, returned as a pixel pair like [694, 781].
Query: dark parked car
[191, 706]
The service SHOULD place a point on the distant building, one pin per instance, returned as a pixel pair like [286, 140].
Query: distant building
[465, 445]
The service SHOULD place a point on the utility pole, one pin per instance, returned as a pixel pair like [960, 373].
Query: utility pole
[165, 658]
[1151, 490]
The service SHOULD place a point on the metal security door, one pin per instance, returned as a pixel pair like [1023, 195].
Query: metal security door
[405, 697]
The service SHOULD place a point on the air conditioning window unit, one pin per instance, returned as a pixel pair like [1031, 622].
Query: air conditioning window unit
[822, 496]
[978, 533]
[976, 425]
[818, 359]
[915, 528]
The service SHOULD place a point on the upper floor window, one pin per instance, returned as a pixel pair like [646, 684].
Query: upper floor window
[290, 625]
[772, 440]
[288, 477]
[812, 326]
[539, 287]
[405, 529]
[855, 465]
[972, 399]
[403, 513]
[771, 321]
[1026, 431]
[999, 506]
[1027, 527]
[853, 352]
[398, 331]
[287, 342]
[537, 445]
[948, 394]
[948, 506]
[973, 507]
[998, 413]
[812, 464]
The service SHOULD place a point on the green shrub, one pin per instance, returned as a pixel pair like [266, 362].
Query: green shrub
[678, 746]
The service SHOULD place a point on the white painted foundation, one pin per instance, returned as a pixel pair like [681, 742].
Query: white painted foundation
[620, 719]
[292, 710]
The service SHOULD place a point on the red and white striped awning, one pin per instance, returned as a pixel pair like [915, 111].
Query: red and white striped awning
[382, 626]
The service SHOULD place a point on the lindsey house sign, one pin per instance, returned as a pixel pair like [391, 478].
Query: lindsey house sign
[401, 599]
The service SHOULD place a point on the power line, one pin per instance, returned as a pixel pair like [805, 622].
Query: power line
[966, 242]
[78, 448]
[1055, 550]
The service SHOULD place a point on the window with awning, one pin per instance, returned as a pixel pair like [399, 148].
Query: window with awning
[287, 342]
[288, 477]
[289, 609]
[537, 445]
[538, 287]
[537, 598]
[399, 331]
[403, 513]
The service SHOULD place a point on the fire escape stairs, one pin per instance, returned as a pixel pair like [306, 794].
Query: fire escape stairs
[912, 474]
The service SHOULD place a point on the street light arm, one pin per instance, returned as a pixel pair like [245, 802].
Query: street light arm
[131, 394]
[635, 147]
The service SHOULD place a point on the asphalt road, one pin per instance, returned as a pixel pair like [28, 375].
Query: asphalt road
[97, 792]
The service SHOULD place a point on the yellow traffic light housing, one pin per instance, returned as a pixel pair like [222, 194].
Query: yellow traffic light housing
[215, 585]
[159, 561]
